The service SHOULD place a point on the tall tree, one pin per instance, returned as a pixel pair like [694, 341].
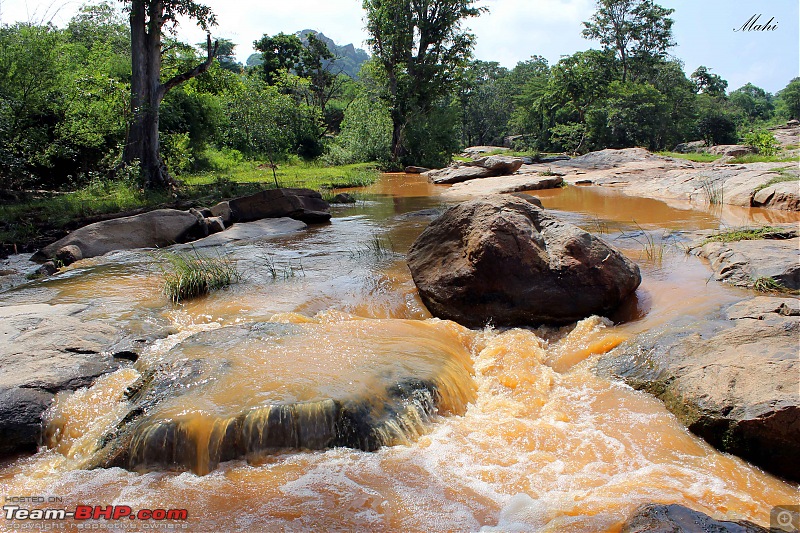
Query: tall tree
[279, 52]
[148, 20]
[707, 83]
[635, 29]
[419, 45]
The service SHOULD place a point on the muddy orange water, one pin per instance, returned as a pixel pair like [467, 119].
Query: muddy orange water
[542, 444]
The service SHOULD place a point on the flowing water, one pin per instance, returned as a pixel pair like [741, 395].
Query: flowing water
[526, 437]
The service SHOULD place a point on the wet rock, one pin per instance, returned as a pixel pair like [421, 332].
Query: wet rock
[657, 518]
[381, 403]
[343, 198]
[730, 380]
[47, 269]
[415, 170]
[154, 229]
[248, 231]
[300, 204]
[484, 167]
[45, 349]
[21, 419]
[505, 261]
[743, 263]
[223, 211]
[69, 254]
[214, 225]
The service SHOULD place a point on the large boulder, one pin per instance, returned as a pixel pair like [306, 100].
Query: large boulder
[46, 349]
[732, 381]
[503, 260]
[784, 195]
[154, 229]
[657, 518]
[300, 204]
[485, 167]
[731, 150]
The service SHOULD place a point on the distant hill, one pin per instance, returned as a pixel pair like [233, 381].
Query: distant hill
[349, 58]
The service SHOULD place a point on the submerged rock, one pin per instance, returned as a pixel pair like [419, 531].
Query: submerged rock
[159, 228]
[656, 518]
[503, 260]
[733, 381]
[250, 390]
[46, 349]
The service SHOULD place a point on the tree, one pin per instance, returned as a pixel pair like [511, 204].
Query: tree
[707, 83]
[148, 19]
[635, 29]
[278, 53]
[754, 102]
[419, 46]
[789, 99]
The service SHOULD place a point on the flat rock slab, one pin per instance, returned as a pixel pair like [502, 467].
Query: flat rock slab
[154, 229]
[248, 231]
[484, 167]
[656, 518]
[637, 172]
[732, 381]
[45, 349]
[742, 263]
[502, 184]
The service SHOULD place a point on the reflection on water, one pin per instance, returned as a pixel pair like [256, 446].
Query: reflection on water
[543, 445]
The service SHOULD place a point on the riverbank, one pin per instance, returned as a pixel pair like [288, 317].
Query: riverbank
[37, 218]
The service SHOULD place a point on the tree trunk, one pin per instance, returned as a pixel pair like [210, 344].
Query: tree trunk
[147, 91]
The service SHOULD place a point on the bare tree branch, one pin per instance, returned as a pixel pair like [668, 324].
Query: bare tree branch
[196, 71]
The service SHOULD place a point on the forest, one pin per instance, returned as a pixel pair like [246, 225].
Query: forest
[69, 110]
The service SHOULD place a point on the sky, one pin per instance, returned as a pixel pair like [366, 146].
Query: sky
[514, 30]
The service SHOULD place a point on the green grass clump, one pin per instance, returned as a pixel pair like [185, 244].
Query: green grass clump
[377, 247]
[760, 158]
[188, 275]
[767, 284]
[749, 234]
[696, 157]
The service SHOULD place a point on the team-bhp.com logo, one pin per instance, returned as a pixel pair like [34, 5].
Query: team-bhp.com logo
[96, 512]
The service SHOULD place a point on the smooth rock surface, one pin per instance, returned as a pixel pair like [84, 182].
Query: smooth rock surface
[657, 518]
[45, 349]
[248, 231]
[154, 229]
[300, 204]
[502, 184]
[741, 263]
[732, 381]
[505, 261]
[484, 167]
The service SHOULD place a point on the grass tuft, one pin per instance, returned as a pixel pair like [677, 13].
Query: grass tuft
[189, 274]
[767, 284]
[696, 157]
[714, 190]
[378, 247]
[750, 234]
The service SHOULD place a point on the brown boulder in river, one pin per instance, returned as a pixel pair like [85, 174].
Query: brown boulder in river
[503, 260]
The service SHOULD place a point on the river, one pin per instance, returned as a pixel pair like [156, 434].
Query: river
[527, 438]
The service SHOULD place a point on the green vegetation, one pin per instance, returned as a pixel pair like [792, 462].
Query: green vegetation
[378, 247]
[190, 274]
[749, 234]
[73, 116]
[766, 284]
[714, 190]
[758, 158]
[285, 271]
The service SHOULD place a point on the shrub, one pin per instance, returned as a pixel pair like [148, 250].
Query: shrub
[763, 141]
